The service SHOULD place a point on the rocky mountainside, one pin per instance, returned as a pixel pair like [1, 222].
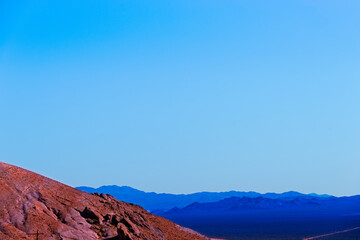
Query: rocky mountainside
[35, 207]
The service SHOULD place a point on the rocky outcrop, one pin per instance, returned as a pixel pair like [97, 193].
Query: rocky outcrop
[33, 206]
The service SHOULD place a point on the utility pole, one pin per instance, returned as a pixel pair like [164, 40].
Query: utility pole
[37, 234]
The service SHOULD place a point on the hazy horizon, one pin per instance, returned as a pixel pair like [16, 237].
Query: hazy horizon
[183, 96]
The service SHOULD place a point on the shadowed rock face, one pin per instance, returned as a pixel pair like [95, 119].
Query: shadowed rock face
[31, 203]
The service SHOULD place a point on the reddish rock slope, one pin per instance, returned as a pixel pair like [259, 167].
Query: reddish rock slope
[31, 203]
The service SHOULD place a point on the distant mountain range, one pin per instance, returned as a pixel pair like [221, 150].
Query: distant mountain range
[164, 201]
[249, 215]
[266, 218]
[298, 205]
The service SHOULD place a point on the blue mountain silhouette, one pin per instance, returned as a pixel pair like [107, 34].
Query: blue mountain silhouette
[164, 201]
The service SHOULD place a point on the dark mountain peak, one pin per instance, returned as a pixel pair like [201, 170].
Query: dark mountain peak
[293, 193]
[320, 195]
[120, 188]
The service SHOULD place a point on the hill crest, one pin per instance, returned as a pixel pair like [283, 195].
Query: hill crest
[31, 203]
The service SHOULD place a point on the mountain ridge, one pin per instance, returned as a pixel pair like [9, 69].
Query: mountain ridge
[234, 204]
[166, 201]
[33, 204]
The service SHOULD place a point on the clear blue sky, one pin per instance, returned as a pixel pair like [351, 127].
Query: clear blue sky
[184, 95]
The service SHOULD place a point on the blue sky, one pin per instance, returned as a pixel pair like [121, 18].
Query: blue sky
[183, 96]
